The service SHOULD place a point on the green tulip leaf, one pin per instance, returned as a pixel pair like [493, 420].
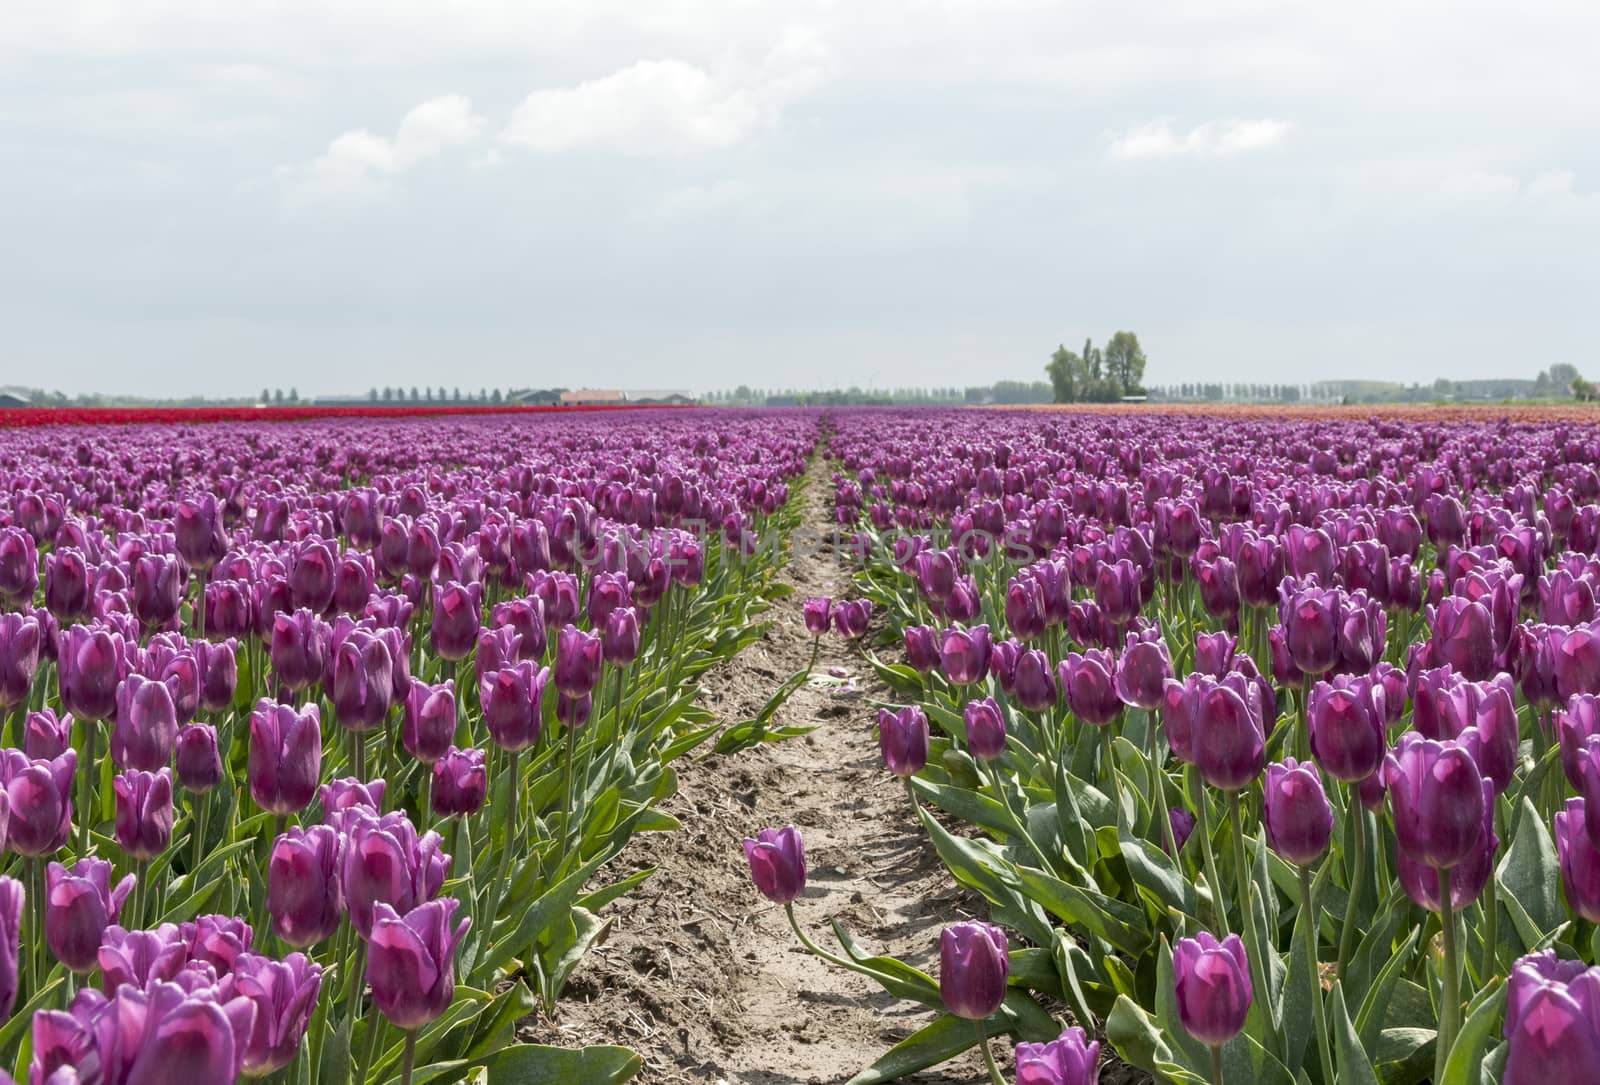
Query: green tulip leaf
[530, 1064]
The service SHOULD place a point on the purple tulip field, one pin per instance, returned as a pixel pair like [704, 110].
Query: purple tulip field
[1270, 747]
[1260, 750]
[319, 736]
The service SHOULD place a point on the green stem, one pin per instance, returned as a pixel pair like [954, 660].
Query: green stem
[140, 892]
[816, 646]
[410, 1057]
[513, 793]
[199, 807]
[1203, 826]
[88, 770]
[814, 949]
[1158, 791]
[566, 791]
[425, 799]
[1358, 878]
[988, 1056]
[1247, 889]
[1216, 1066]
[374, 1027]
[358, 980]
[1450, 1009]
[1110, 766]
[1319, 1021]
[35, 937]
[1491, 916]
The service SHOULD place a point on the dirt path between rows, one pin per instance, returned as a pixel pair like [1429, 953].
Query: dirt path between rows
[701, 975]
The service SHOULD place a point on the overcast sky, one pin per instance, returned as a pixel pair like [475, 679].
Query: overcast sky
[209, 197]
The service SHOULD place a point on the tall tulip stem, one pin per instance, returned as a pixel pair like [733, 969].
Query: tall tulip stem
[89, 769]
[410, 1058]
[1450, 1010]
[1216, 1065]
[374, 1027]
[1203, 825]
[1319, 1021]
[1358, 879]
[1247, 890]
[988, 1056]
[833, 959]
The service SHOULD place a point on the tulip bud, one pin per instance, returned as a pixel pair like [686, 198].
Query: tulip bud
[1182, 823]
[46, 736]
[973, 967]
[1090, 687]
[1466, 879]
[1438, 800]
[1214, 653]
[578, 659]
[1552, 1026]
[138, 958]
[146, 729]
[964, 654]
[218, 669]
[411, 964]
[513, 705]
[1298, 818]
[851, 618]
[144, 812]
[1033, 683]
[986, 729]
[199, 760]
[777, 860]
[197, 525]
[428, 724]
[460, 782]
[39, 801]
[621, 636]
[922, 648]
[1229, 740]
[1211, 982]
[1579, 858]
[285, 756]
[903, 740]
[79, 905]
[457, 609]
[1348, 734]
[21, 641]
[67, 591]
[1070, 1059]
[363, 680]
[158, 585]
[1143, 670]
[305, 894]
[386, 861]
[349, 793]
[284, 994]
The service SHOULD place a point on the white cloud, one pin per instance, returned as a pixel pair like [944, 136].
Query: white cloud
[666, 106]
[361, 162]
[1158, 139]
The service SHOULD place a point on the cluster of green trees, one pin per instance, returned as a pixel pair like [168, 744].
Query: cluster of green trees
[431, 395]
[1098, 376]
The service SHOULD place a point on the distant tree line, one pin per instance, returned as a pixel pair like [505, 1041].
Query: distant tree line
[1006, 392]
[1096, 375]
[1559, 382]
